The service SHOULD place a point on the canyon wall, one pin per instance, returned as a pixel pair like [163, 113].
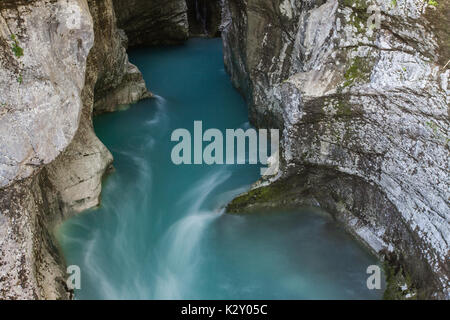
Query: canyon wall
[153, 22]
[52, 76]
[364, 114]
[165, 22]
[204, 17]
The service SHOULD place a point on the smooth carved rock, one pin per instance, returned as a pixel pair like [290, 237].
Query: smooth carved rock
[40, 92]
[153, 22]
[365, 109]
[46, 123]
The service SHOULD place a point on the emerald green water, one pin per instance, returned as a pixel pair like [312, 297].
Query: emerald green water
[161, 233]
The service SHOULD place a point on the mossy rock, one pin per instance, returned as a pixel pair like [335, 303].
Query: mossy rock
[359, 71]
[259, 195]
[357, 4]
[399, 285]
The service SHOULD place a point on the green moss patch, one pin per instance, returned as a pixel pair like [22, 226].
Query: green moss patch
[359, 71]
[399, 285]
[259, 195]
[357, 4]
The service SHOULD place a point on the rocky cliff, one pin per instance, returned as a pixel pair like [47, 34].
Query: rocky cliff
[204, 17]
[364, 112]
[58, 61]
[168, 22]
[153, 22]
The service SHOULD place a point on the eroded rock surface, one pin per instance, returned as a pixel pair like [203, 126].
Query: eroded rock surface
[51, 161]
[40, 83]
[153, 22]
[205, 17]
[365, 118]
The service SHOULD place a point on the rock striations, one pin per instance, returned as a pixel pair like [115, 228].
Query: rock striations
[151, 22]
[364, 110]
[52, 75]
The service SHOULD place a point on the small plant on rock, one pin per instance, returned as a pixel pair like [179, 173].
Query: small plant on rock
[18, 51]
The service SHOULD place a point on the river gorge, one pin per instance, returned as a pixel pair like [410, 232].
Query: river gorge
[161, 233]
[87, 180]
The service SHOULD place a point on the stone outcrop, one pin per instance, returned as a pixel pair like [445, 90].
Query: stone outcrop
[52, 74]
[116, 81]
[204, 17]
[153, 22]
[364, 112]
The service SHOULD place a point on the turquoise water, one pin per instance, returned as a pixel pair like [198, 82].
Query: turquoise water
[161, 232]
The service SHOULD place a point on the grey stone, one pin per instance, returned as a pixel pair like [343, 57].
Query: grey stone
[51, 161]
[153, 22]
[367, 108]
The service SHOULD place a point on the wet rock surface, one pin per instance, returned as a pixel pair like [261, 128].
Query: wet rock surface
[363, 111]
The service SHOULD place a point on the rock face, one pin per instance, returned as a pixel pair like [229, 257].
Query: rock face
[111, 81]
[43, 62]
[204, 17]
[364, 111]
[116, 81]
[153, 22]
[52, 73]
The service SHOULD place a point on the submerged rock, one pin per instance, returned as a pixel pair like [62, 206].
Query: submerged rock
[364, 114]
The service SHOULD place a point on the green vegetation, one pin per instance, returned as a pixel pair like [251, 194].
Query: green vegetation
[358, 4]
[259, 195]
[359, 70]
[433, 3]
[393, 3]
[433, 126]
[17, 50]
[437, 133]
[399, 285]
[343, 109]
[360, 16]
[359, 20]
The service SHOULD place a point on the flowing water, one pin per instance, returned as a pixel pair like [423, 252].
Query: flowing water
[161, 233]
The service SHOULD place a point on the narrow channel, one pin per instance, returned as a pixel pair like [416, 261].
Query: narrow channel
[161, 232]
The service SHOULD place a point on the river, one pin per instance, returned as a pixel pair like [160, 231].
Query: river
[161, 232]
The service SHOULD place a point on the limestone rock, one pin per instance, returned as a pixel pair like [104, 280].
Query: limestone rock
[40, 89]
[51, 162]
[364, 113]
[205, 17]
[153, 22]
